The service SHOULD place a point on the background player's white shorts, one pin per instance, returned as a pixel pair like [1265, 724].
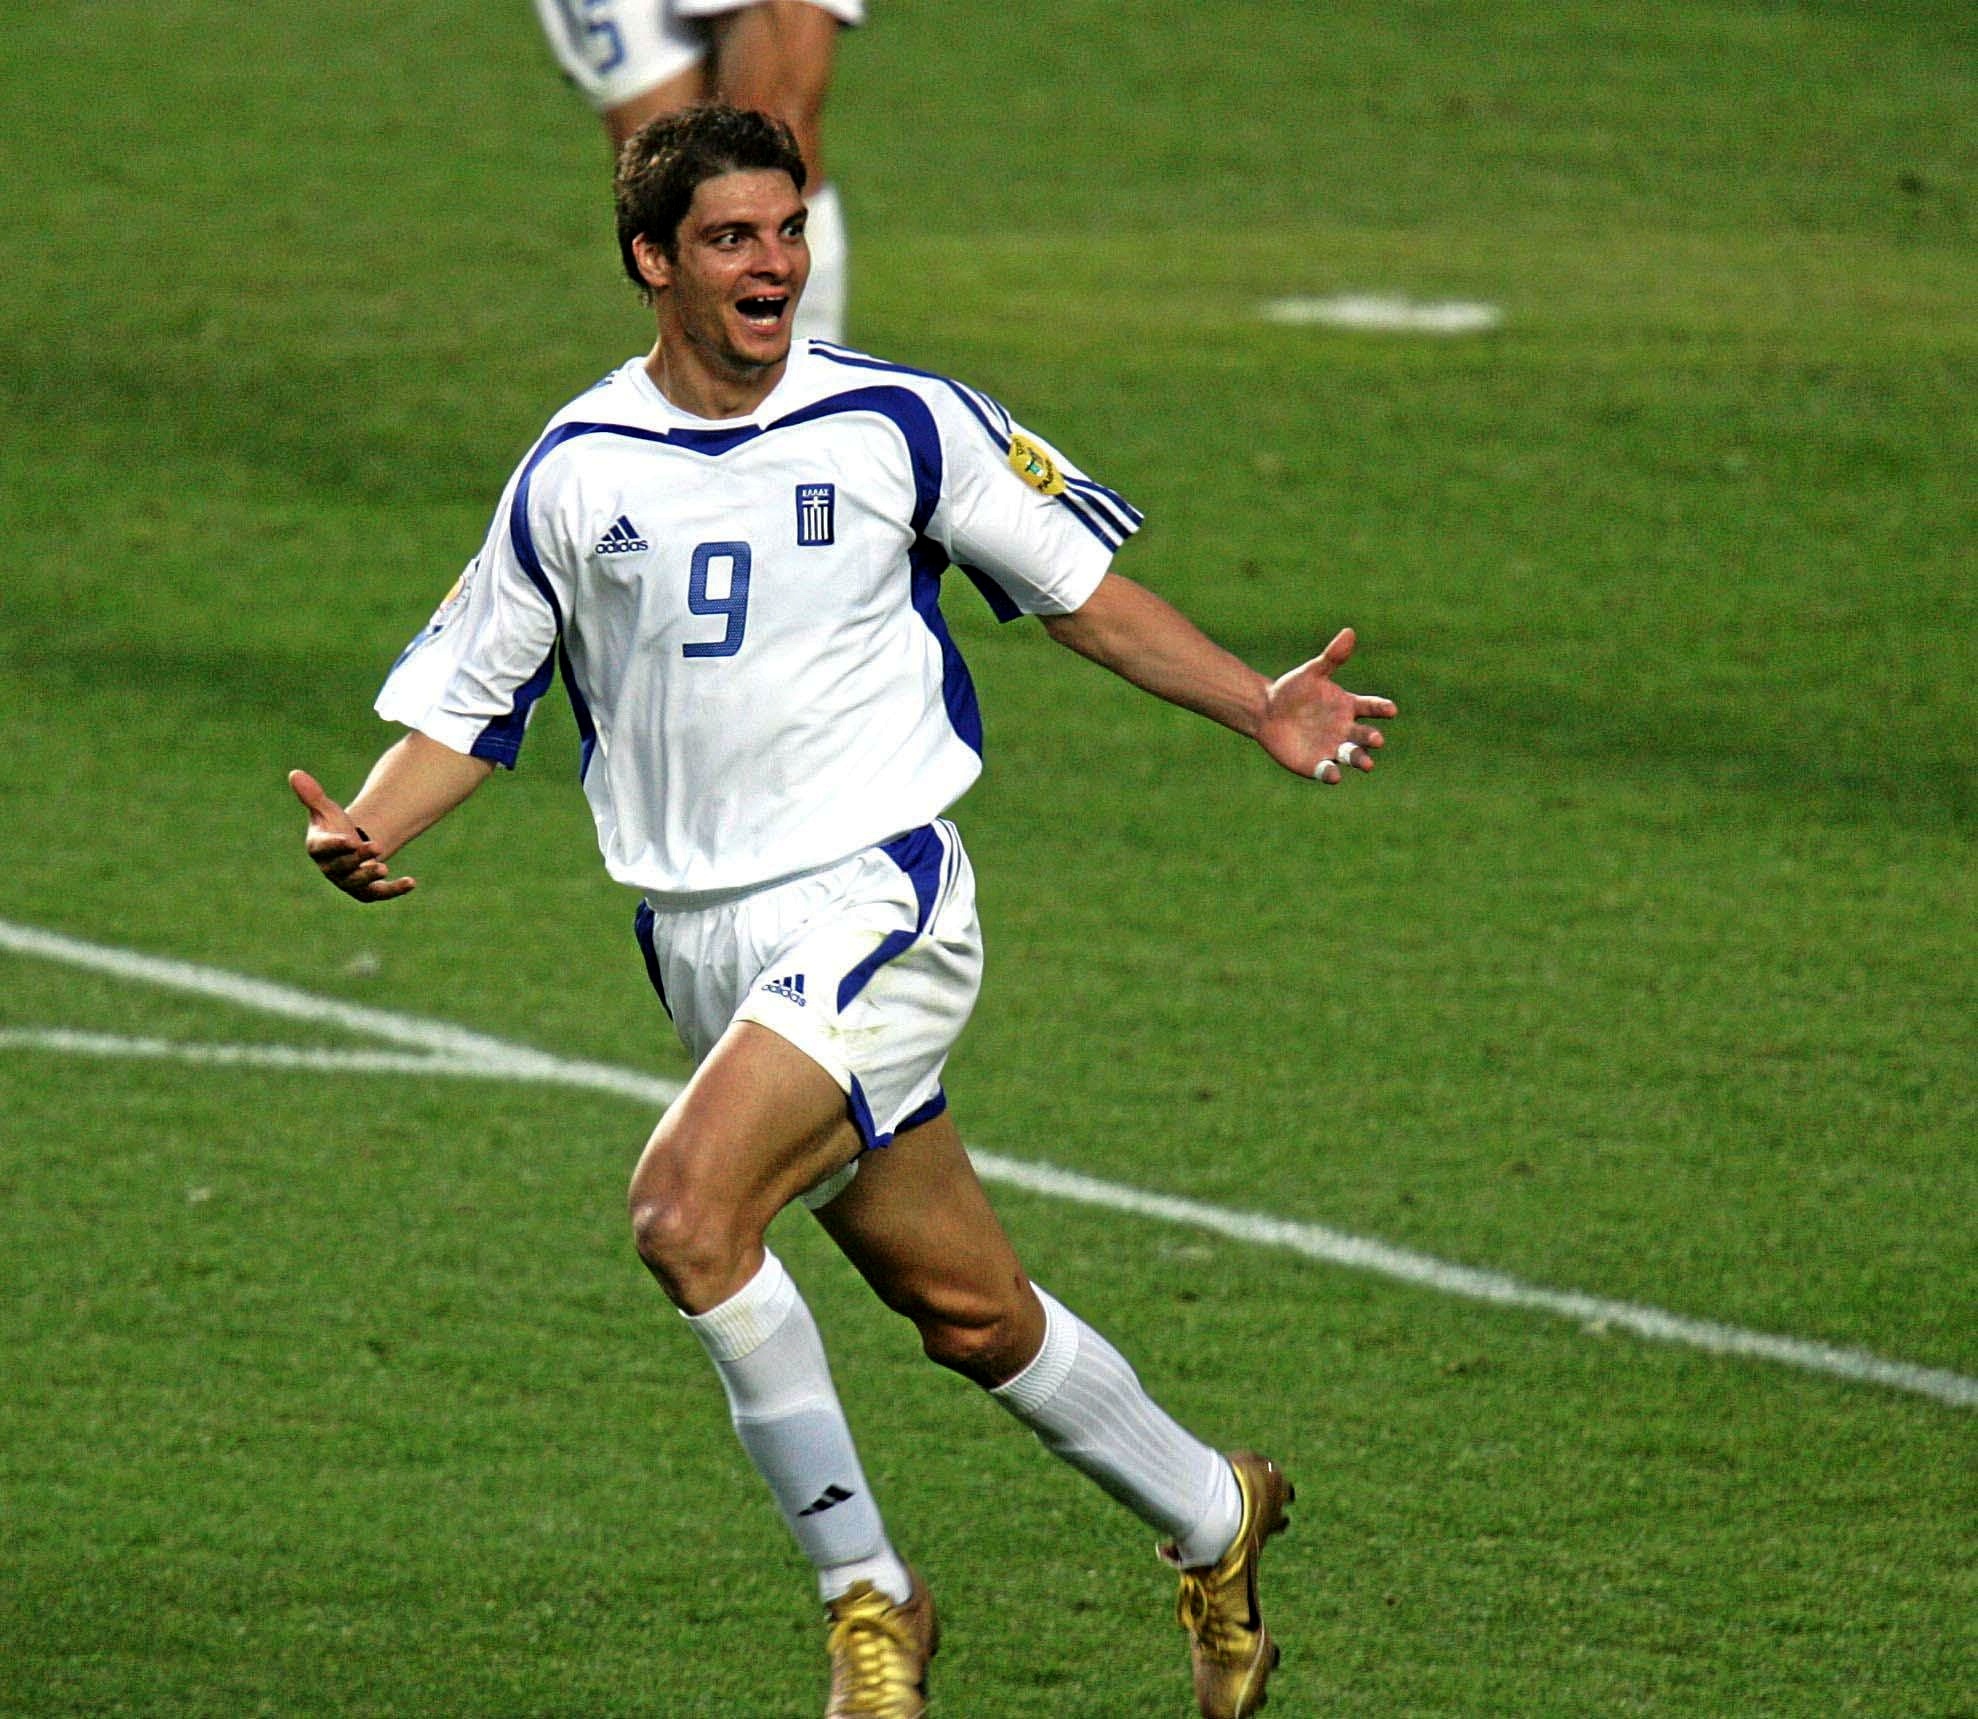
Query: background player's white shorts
[870, 967]
[614, 50]
[845, 11]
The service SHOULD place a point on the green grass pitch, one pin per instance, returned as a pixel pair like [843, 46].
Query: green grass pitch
[1642, 968]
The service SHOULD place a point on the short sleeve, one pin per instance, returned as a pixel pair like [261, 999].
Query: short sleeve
[1033, 531]
[472, 676]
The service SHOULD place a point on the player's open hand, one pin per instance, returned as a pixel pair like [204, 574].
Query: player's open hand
[343, 853]
[1314, 726]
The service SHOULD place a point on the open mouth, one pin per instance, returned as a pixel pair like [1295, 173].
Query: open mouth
[763, 311]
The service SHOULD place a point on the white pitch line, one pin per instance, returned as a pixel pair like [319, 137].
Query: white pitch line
[1384, 313]
[457, 1051]
[322, 1058]
[540, 1070]
[1336, 1247]
[458, 1044]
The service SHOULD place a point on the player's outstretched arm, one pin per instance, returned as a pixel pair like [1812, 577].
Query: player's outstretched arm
[1305, 719]
[415, 784]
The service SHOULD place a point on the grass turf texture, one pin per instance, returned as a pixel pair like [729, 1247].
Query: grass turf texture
[1642, 968]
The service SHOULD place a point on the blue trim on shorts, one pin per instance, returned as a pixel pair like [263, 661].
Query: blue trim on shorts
[922, 855]
[934, 1107]
[860, 1109]
[642, 922]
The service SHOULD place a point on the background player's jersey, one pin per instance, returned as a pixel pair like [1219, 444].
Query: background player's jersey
[744, 612]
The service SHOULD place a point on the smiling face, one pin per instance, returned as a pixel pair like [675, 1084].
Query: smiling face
[726, 297]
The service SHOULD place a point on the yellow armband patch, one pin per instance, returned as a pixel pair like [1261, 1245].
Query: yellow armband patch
[1035, 466]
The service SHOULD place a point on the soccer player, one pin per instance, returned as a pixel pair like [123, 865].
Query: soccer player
[634, 60]
[731, 548]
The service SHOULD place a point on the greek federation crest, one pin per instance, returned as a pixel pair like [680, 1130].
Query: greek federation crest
[817, 515]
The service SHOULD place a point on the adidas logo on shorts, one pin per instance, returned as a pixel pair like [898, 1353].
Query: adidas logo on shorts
[791, 989]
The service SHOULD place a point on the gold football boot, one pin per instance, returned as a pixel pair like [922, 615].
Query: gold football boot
[1232, 1652]
[879, 1652]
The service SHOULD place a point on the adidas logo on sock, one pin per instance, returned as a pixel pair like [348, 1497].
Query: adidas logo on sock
[828, 1499]
[790, 988]
[622, 539]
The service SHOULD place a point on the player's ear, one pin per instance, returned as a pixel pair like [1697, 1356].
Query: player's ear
[655, 269]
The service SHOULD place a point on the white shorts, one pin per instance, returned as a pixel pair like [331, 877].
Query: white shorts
[614, 50]
[869, 967]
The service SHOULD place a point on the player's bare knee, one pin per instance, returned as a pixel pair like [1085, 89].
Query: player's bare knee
[662, 1229]
[693, 1246]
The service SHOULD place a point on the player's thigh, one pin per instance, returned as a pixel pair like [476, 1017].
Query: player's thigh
[758, 1124]
[777, 55]
[919, 1227]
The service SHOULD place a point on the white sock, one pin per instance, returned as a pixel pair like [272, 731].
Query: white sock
[1087, 1405]
[821, 314]
[765, 1346]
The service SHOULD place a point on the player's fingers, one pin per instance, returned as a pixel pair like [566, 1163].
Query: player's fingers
[310, 792]
[1365, 704]
[389, 890]
[1360, 735]
[1328, 773]
[335, 857]
[1339, 650]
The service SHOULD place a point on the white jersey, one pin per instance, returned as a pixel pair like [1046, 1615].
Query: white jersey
[744, 612]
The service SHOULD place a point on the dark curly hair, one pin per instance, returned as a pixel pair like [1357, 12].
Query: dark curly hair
[664, 162]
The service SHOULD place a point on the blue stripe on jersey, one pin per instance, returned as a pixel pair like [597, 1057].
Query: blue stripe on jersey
[927, 560]
[1080, 510]
[923, 856]
[1001, 604]
[503, 738]
[500, 742]
[424, 636]
[984, 410]
[904, 408]
[1103, 512]
[1128, 517]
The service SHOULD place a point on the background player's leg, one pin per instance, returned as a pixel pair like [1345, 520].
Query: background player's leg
[669, 96]
[631, 60]
[777, 56]
[921, 1231]
[757, 1125]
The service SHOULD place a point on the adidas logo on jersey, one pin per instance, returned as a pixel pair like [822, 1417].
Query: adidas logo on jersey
[790, 988]
[622, 539]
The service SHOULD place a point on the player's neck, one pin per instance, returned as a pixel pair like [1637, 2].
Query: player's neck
[701, 383]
